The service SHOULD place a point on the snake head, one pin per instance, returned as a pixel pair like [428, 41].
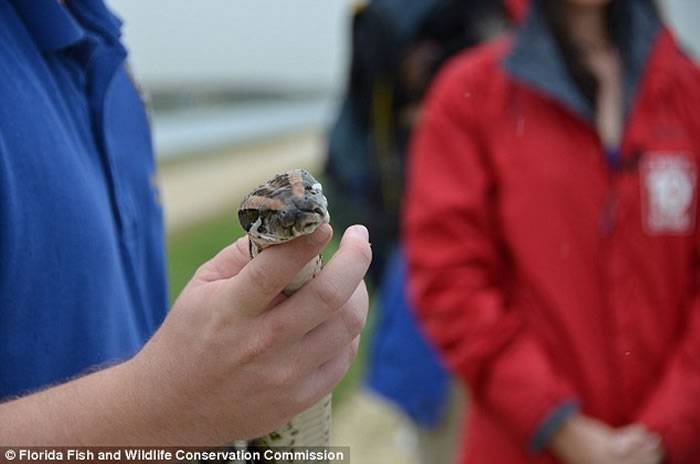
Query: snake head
[287, 206]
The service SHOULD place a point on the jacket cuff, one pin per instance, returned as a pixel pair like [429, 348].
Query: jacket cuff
[553, 422]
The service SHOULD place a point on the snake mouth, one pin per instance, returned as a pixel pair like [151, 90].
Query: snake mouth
[316, 210]
[282, 226]
[307, 220]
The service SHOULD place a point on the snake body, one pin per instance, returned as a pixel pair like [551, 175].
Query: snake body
[286, 207]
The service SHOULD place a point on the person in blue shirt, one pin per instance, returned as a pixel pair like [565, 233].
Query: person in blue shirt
[82, 278]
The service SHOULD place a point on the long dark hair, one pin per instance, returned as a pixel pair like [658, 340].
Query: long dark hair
[616, 21]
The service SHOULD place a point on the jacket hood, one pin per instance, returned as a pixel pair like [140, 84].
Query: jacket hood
[536, 59]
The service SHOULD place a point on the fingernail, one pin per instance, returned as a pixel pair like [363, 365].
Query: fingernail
[358, 230]
[321, 235]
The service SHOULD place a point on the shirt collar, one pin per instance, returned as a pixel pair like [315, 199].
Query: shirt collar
[97, 18]
[55, 26]
[536, 59]
[49, 23]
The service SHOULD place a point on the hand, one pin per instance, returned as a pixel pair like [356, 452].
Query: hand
[636, 444]
[583, 440]
[235, 359]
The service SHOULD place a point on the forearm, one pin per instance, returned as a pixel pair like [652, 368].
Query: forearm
[109, 407]
[231, 360]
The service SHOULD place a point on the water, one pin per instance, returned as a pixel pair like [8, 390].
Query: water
[187, 132]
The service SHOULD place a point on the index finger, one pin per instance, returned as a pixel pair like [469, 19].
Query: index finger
[227, 263]
[263, 278]
[328, 291]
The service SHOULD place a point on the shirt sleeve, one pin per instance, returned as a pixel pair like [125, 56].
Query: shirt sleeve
[459, 274]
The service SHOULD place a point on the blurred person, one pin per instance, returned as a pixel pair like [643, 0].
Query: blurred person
[82, 276]
[398, 47]
[551, 233]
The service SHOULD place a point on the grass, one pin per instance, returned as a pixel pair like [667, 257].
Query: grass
[189, 248]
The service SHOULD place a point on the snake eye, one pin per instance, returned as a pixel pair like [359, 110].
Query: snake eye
[247, 217]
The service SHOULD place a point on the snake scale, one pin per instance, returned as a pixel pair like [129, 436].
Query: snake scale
[288, 206]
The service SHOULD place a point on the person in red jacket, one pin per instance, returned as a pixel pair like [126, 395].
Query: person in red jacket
[551, 230]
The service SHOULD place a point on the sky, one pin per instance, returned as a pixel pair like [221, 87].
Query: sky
[684, 15]
[282, 43]
[286, 44]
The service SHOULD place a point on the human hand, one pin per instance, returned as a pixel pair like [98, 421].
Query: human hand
[235, 359]
[583, 440]
[636, 444]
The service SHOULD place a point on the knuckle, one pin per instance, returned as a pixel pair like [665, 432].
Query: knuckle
[260, 280]
[266, 341]
[301, 397]
[354, 349]
[354, 321]
[242, 246]
[342, 367]
[295, 371]
[328, 294]
[278, 378]
[249, 354]
[274, 327]
[203, 272]
[287, 377]
[364, 294]
[261, 344]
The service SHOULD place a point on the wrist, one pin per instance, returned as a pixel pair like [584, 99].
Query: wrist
[151, 404]
[566, 438]
[129, 405]
[552, 423]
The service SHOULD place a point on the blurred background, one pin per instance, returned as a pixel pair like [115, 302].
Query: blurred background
[239, 91]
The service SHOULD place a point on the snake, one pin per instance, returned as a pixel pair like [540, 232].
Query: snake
[284, 208]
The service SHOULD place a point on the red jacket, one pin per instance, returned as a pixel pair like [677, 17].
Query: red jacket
[546, 274]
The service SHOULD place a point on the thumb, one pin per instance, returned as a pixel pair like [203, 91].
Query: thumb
[264, 277]
[227, 263]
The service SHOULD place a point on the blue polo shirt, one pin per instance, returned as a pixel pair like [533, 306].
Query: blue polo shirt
[82, 279]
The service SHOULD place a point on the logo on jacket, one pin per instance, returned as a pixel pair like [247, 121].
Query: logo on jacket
[668, 185]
